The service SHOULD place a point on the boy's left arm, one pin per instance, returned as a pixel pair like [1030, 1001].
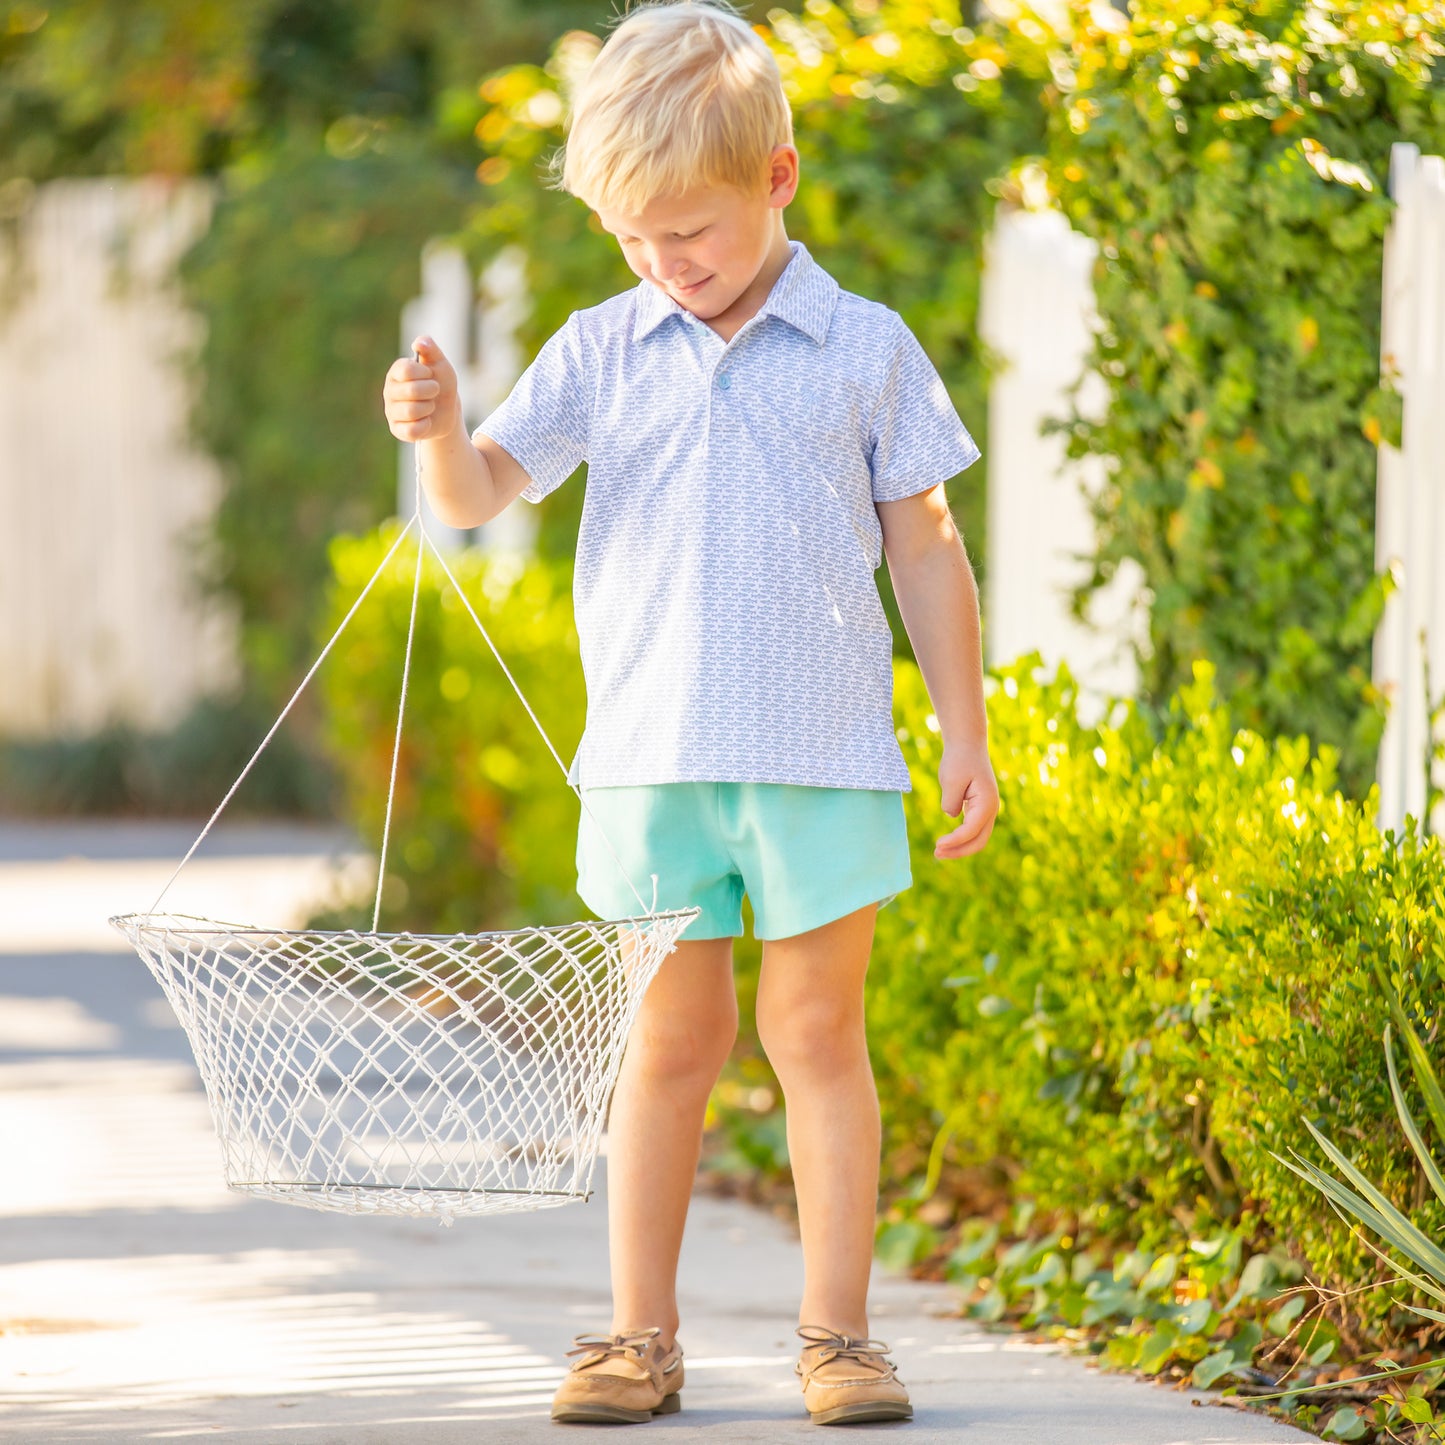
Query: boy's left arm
[938, 600]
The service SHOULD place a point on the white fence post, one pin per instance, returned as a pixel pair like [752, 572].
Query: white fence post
[477, 329]
[1410, 488]
[502, 307]
[103, 497]
[1037, 314]
[443, 311]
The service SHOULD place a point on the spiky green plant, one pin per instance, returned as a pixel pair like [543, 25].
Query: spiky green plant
[1367, 1204]
[1354, 1195]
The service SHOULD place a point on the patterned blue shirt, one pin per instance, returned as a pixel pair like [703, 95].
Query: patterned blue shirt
[730, 623]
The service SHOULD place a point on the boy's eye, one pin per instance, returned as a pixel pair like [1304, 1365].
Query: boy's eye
[679, 235]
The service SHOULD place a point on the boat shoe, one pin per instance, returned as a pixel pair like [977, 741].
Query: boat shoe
[847, 1381]
[620, 1380]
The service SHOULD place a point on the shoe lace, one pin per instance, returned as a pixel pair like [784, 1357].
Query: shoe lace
[595, 1348]
[833, 1346]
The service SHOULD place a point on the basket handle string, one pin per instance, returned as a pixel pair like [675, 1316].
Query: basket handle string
[507, 672]
[275, 726]
[424, 540]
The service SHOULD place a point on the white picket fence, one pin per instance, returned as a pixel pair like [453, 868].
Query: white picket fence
[1037, 315]
[1410, 509]
[102, 501]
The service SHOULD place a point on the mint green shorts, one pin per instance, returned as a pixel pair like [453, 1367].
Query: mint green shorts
[804, 856]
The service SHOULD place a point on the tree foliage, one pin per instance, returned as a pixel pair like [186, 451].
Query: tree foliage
[183, 87]
[339, 137]
[302, 277]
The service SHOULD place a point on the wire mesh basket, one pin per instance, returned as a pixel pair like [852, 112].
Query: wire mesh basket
[407, 1073]
[401, 1073]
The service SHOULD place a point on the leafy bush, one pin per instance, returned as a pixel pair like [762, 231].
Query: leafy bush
[484, 825]
[1158, 975]
[1232, 165]
[1158, 972]
[1338, 922]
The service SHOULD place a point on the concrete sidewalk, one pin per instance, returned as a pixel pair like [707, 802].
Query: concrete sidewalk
[140, 1300]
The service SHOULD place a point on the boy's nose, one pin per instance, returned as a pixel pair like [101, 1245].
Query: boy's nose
[666, 268]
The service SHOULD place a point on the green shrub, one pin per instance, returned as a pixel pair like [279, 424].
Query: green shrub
[1155, 974]
[484, 824]
[1300, 1043]
[183, 771]
[1232, 165]
[1069, 963]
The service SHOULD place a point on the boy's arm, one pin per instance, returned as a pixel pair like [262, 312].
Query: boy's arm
[467, 482]
[938, 600]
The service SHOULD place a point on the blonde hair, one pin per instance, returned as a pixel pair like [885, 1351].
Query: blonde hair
[683, 94]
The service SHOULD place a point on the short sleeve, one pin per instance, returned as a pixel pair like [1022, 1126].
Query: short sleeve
[546, 420]
[916, 437]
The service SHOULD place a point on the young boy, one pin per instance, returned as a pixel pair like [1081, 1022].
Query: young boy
[755, 439]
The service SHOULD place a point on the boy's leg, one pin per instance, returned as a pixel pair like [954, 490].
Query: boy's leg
[677, 1048]
[811, 1024]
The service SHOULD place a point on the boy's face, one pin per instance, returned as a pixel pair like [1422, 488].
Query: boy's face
[707, 246]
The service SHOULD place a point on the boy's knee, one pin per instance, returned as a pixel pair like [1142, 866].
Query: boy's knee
[683, 1053]
[816, 1036]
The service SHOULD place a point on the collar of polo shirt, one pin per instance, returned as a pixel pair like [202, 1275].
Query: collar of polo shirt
[803, 296]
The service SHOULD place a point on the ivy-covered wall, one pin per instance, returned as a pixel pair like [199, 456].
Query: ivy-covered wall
[1232, 163]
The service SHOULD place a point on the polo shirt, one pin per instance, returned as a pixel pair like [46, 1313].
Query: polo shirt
[726, 604]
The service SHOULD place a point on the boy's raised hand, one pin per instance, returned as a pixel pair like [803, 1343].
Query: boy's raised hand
[965, 776]
[421, 396]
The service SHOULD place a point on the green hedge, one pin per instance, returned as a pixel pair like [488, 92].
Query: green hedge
[183, 771]
[1156, 972]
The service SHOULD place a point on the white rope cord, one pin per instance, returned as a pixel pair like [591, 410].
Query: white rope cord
[325, 651]
[602, 832]
[401, 702]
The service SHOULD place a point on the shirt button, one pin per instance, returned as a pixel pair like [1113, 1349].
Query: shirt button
[724, 381]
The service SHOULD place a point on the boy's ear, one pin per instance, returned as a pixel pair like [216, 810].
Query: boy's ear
[782, 175]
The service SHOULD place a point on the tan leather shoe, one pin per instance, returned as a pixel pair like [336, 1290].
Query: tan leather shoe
[620, 1380]
[848, 1381]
